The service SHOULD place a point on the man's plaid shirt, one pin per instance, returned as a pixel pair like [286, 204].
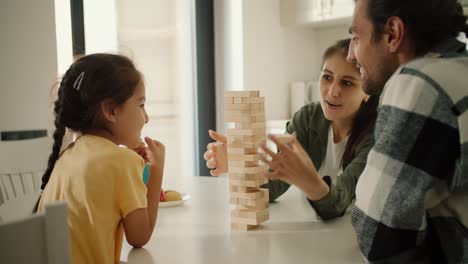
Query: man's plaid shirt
[412, 197]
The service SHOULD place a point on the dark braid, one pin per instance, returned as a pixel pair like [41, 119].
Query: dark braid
[103, 76]
[58, 139]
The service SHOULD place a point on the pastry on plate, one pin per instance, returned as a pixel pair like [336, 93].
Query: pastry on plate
[170, 196]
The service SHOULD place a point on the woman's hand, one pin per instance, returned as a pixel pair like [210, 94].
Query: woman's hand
[293, 165]
[216, 154]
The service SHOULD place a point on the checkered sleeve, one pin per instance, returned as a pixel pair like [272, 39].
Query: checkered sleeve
[410, 169]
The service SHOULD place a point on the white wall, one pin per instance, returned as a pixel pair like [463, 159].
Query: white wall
[29, 63]
[275, 55]
[156, 34]
[273, 52]
[271, 55]
[100, 26]
[229, 58]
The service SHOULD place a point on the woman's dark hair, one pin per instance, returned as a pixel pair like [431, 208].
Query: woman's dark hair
[428, 21]
[83, 87]
[365, 116]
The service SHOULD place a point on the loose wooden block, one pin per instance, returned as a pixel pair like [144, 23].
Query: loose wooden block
[241, 94]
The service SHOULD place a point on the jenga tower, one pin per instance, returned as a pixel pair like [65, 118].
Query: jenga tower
[247, 110]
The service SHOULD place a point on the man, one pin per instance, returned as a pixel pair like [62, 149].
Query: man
[412, 197]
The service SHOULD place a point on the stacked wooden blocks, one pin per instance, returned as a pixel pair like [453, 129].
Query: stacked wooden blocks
[247, 110]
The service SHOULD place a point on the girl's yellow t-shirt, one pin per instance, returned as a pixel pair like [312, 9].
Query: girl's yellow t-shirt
[101, 183]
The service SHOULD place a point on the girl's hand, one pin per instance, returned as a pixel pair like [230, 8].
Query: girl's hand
[293, 165]
[156, 153]
[141, 150]
[216, 154]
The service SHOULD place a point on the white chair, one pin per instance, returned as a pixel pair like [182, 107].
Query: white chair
[22, 164]
[38, 238]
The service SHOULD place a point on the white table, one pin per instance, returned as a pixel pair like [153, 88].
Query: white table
[199, 232]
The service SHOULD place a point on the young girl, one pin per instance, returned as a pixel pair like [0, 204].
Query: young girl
[102, 96]
[333, 139]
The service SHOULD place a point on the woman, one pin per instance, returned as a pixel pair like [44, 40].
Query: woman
[331, 140]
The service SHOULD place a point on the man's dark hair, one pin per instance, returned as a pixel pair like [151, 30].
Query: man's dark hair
[427, 21]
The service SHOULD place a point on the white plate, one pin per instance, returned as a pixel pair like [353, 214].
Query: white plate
[185, 197]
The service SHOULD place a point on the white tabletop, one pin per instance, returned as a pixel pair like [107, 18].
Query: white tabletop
[199, 232]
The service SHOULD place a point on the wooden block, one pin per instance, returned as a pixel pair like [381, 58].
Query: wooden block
[250, 125]
[228, 100]
[237, 100]
[244, 157]
[260, 100]
[247, 183]
[247, 170]
[247, 213]
[241, 93]
[245, 139]
[242, 151]
[247, 195]
[249, 202]
[242, 163]
[253, 100]
[266, 194]
[241, 132]
[234, 188]
[242, 227]
[259, 119]
[259, 204]
[229, 114]
[239, 106]
[250, 221]
[247, 176]
[240, 119]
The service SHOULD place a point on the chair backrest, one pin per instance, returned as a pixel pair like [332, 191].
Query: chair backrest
[22, 164]
[38, 238]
